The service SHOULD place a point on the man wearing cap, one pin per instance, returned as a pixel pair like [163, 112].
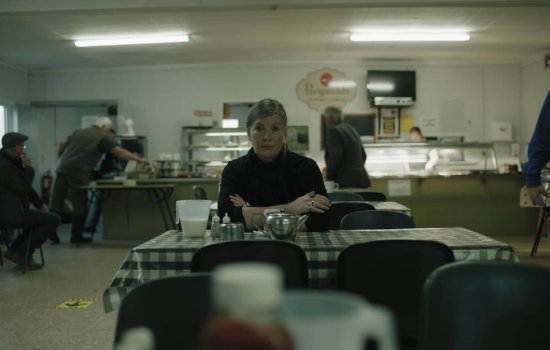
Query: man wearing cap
[14, 179]
[79, 156]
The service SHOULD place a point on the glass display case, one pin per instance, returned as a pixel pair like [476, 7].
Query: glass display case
[427, 158]
[205, 151]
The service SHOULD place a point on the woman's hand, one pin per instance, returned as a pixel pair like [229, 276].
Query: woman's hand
[309, 203]
[238, 201]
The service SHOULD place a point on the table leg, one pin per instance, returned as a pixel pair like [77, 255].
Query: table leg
[161, 198]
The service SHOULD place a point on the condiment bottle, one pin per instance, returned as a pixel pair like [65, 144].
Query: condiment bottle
[247, 300]
[226, 219]
[215, 226]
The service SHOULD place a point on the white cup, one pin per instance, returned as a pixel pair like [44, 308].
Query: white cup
[331, 186]
[328, 320]
[193, 216]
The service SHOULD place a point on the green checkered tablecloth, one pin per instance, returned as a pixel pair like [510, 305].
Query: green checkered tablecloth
[170, 253]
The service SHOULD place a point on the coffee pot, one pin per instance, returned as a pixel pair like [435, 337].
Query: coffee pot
[282, 225]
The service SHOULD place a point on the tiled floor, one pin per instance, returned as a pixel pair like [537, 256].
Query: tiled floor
[28, 315]
[29, 318]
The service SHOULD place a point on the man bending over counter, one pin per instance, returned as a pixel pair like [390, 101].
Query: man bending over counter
[79, 156]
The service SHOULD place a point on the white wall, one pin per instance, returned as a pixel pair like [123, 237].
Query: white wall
[162, 100]
[14, 85]
[535, 85]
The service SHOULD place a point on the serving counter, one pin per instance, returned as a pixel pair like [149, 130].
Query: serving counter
[486, 202]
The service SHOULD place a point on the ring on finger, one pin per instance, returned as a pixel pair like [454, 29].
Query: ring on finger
[312, 204]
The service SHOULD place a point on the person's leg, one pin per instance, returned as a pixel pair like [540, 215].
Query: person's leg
[59, 193]
[94, 211]
[42, 224]
[16, 251]
[57, 203]
[79, 199]
[38, 225]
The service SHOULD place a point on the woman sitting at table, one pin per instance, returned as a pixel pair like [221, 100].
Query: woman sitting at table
[271, 176]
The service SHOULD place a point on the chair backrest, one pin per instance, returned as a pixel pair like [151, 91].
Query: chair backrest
[340, 209]
[373, 196]
[287, 255]
[392, 273]
[199, 192]
[174, 308]
[11, 211]
[477, 305]
[376, 219]
[345, 196]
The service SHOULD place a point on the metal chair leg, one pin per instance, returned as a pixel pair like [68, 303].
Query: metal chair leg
[42, 256]
[27, 250]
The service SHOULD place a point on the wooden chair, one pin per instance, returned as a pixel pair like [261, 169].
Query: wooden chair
[479, 305]
[175, 309]
[290, 257]
[376, 219]
[12, 217]
[392, 273]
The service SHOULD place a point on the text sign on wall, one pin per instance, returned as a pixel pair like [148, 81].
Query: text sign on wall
[326, 87]
[202, 113]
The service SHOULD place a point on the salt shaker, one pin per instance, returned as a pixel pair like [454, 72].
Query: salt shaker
[215, 226]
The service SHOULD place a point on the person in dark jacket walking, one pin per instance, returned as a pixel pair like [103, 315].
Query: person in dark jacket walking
[539, 154]
[344, 154]
[15, 179]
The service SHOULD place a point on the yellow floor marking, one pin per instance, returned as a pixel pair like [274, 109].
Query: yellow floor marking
[76, 303]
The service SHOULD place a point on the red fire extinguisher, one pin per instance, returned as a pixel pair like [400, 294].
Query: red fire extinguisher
[47, 181]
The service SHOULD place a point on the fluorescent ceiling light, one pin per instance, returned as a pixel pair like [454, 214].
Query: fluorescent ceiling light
[409, 36]
[181, 38]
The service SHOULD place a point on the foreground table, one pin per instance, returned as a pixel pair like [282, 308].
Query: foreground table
[170, 254]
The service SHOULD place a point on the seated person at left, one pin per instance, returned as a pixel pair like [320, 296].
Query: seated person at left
[15, 180]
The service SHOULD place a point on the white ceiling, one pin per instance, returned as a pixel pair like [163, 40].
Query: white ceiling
[38, 35]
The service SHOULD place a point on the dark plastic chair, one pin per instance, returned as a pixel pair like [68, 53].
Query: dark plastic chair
[199, 192]
[287, 255]
[174, 308]
[392, 273]
[340, 209]
[344, 196]
[373, 196]
[376, 219]
[12, 217]
[482, 305]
